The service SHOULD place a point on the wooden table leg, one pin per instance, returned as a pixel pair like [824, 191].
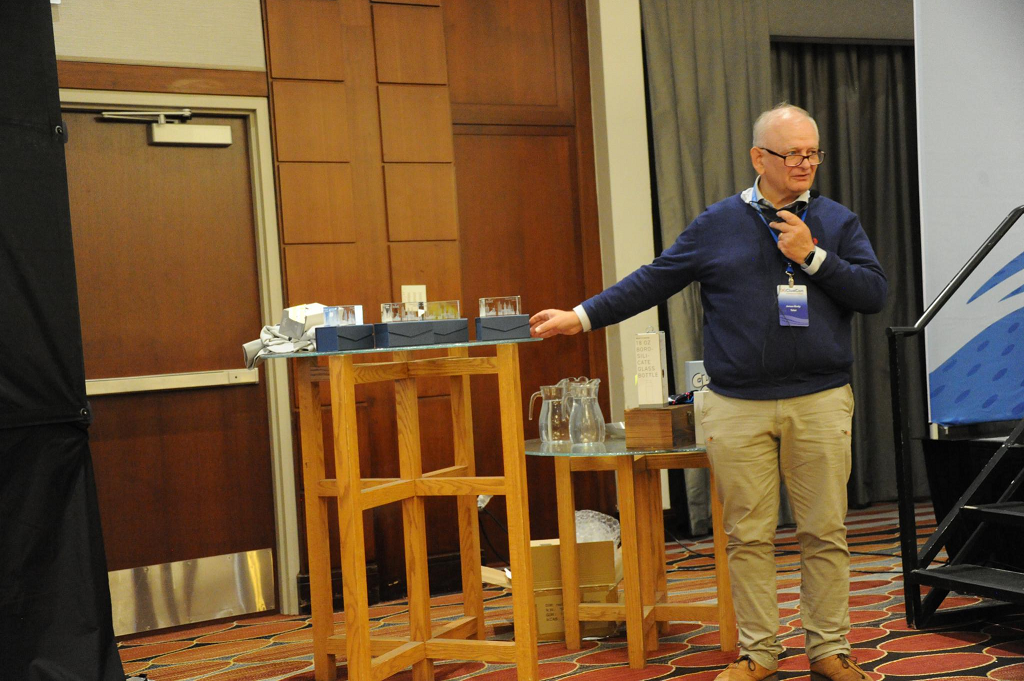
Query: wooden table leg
[631, 562]
[568, 555]
[469, 519]
[658, 536]
[726, 614]
[311, 438]
[350, 517]
[517, 507]
[413, 519]
[647, 549]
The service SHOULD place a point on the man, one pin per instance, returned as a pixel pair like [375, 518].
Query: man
[781, 271]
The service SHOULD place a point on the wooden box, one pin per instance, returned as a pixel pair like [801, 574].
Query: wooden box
[669, 427]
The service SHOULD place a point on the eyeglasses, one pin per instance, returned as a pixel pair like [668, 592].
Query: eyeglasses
[794, 160]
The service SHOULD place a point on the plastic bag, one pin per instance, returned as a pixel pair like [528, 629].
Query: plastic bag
[596, 526]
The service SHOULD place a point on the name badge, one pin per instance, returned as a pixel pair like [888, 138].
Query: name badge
[793, 306]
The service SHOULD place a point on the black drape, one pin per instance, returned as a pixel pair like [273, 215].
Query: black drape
[862, 97]
[42, 378]
[55, 621]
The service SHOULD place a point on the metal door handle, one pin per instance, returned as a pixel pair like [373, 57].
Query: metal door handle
[182, 381]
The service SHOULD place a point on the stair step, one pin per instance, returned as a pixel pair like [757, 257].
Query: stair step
[1003, 585]
[1007, 513]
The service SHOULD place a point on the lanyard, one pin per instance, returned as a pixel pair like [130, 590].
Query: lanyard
[789, 264]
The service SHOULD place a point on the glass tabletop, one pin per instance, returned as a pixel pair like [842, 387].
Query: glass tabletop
[613, 445]
[411, 348]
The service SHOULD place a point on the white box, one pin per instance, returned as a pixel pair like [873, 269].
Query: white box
[698, 409]
[696, 378]
[651, 378]
[297, 320]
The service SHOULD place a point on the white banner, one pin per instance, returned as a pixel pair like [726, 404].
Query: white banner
[970, 110]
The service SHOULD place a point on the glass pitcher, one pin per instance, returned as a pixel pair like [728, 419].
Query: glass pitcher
[586, 421]
[570, 397]
[553, 421]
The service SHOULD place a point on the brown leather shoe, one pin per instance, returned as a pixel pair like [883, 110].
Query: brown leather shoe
[745, 669]
[840, 667]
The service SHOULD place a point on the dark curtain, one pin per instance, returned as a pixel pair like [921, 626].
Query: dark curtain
[55, 623]
[42, 375]
[55, 618]
[707, 67]
[862, 97]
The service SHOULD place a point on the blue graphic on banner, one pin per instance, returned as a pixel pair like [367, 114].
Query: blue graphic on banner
[1006, 271]
[1015, 292]
[984, 380]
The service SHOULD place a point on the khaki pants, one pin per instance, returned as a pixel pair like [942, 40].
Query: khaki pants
[808, 439]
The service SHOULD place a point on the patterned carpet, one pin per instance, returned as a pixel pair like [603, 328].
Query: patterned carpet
[273, 648]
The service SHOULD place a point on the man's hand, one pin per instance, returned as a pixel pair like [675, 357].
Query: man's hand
[795, 242]
[548, 323]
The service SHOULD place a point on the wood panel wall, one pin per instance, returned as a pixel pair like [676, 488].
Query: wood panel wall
[138, 78]
[445, 143]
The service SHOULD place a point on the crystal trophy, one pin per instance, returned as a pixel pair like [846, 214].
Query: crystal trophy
[501, 319]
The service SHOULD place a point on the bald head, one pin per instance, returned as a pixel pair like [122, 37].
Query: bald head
[768, 120]
[782, 134]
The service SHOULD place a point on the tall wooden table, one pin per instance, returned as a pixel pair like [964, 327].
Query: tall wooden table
[369, 658]
[645, 583]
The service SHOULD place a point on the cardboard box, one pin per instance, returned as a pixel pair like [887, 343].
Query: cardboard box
[666, 427]
[600, 567]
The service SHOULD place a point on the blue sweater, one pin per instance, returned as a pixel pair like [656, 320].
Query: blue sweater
[729, 250]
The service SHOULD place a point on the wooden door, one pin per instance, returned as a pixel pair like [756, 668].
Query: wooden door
[165, 252]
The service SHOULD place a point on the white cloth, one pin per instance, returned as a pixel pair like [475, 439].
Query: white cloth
[273, 342]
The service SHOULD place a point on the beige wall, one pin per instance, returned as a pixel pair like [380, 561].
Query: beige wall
[217, 34]
[857, 19]
[623, 175]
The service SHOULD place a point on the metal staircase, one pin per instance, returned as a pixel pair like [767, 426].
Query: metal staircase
[969, 569]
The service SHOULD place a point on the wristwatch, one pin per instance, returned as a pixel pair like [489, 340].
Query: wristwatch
[810, 257]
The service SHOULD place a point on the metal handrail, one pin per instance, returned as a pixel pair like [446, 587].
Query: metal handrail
[961, 276]
[916, 611]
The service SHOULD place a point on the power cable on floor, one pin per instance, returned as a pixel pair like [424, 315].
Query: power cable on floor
[481, 505]
[686, 548]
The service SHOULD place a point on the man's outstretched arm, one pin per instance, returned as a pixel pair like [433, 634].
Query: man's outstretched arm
[647, 286]
[548, 323]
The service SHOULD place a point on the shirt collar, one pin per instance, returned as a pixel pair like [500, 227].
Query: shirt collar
[748, 194]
